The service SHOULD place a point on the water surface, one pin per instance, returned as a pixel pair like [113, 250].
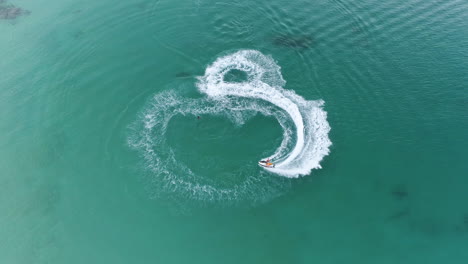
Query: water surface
[78, 79]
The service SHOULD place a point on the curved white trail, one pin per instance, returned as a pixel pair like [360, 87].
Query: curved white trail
[305, 130]
[264, 82]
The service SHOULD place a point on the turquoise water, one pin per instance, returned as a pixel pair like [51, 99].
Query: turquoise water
[103, 158]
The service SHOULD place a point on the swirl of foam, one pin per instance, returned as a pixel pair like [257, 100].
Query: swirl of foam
[264, 82]
[305, 132]
[171, 178]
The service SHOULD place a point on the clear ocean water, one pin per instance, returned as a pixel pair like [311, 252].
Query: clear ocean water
[130, 131]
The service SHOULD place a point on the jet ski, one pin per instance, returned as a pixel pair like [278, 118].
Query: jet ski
[266, 164]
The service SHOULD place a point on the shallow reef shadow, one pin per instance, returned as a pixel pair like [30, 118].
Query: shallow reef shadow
[10, 11]
[465, 221]
[78, 34]
[400, 192]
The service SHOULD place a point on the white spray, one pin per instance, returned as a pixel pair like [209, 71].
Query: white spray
[264, 82]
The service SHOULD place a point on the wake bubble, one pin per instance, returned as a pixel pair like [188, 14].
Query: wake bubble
[264, 82]
[305, 131]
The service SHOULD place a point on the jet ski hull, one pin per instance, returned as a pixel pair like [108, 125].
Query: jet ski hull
[261, 164]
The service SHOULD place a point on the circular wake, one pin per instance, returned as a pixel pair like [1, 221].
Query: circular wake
[264, 82]
[305, 130]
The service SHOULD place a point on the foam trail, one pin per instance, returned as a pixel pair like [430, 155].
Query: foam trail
[264, 82]
[305, 131]
[172, 177]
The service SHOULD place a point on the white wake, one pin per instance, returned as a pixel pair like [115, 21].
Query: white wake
[264, 82]
[305, 131]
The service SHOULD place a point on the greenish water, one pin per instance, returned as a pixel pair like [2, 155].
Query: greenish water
[103, 158]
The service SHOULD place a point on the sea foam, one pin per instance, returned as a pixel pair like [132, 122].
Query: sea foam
[264, 82]
[305, 130]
